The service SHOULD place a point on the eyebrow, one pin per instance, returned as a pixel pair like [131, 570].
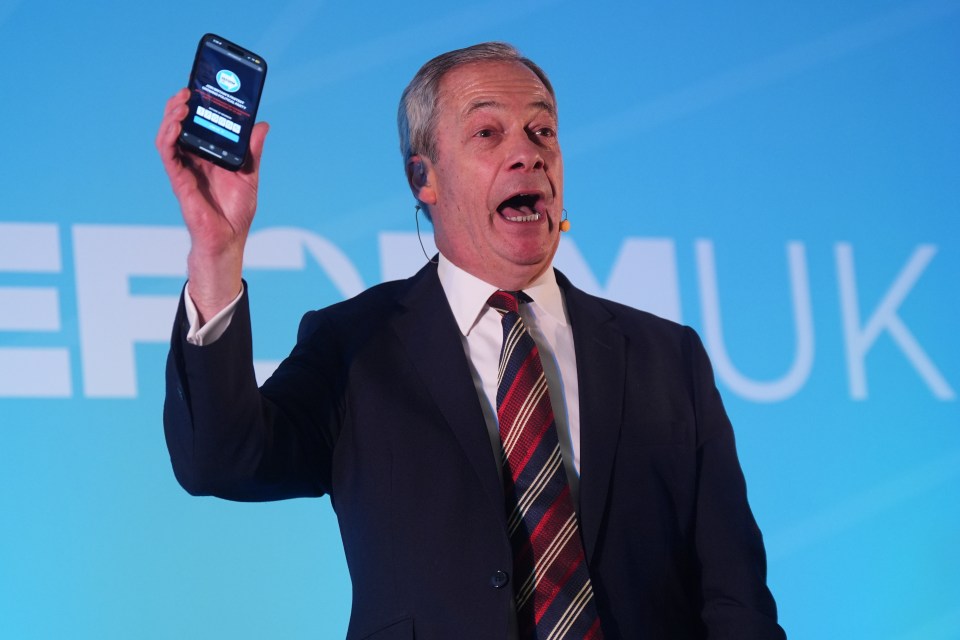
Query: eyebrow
[485, 104]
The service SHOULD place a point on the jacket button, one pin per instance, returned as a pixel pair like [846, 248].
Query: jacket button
[499, 579]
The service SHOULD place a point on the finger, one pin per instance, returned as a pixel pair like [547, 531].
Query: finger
[257, 137]
[172, 114]
[175, 111]
[167, 135]
[179, 98]
[166, 143]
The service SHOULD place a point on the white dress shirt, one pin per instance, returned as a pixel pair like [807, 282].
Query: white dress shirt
[481, 334]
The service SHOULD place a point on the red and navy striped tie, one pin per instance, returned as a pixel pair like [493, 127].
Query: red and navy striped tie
[554, 598]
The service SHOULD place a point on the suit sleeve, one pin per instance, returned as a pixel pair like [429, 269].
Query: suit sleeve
[228, 438]
[736, 602]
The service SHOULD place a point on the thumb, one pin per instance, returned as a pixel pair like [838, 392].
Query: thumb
[257, 137]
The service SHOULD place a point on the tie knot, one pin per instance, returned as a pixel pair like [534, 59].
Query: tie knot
[505, 301]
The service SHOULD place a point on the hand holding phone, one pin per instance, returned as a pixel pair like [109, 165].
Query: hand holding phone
[225, 87]
[218, 206]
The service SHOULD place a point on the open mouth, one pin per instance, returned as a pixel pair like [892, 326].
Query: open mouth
[521, 208]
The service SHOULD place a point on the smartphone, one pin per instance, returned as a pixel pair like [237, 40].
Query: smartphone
[225, 86]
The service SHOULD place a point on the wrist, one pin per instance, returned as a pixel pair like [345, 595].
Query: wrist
[215, 281]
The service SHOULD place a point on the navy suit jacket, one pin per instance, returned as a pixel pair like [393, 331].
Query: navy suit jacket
[376, 407]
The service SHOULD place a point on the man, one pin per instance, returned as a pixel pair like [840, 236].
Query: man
[397, 405]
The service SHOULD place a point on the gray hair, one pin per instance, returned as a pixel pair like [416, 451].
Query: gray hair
[417, 115]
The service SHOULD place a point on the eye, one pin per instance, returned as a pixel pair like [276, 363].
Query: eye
[484, 133]
[545, 132]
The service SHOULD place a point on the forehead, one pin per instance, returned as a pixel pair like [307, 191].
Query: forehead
[496, 85]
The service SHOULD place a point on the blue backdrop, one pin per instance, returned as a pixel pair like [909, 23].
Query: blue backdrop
[782, 176]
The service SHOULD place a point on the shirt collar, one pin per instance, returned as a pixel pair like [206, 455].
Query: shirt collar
[468, 295]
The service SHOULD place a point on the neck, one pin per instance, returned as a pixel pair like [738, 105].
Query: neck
[516, 279]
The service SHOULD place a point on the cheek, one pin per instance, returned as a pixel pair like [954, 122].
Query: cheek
[466, 188]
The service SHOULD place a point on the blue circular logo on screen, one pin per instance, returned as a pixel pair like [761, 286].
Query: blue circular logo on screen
[228, 80]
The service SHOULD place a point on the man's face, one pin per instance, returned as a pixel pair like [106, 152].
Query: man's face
[495, 189]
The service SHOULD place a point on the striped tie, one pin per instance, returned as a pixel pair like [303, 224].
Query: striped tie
[554, 598]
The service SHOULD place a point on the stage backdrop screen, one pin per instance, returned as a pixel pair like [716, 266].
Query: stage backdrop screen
[782, 176]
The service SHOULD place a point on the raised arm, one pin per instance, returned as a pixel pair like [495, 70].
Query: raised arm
[217, 206]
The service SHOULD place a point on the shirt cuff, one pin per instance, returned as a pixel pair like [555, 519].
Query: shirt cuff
[214, 328]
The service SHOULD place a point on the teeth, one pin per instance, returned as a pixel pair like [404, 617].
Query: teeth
[530, 218]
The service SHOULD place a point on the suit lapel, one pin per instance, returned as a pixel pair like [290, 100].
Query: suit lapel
[600, 349]
[428, 331]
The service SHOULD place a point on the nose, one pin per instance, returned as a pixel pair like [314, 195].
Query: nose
[526, 152]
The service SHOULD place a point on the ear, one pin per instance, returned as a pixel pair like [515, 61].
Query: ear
[422, 179]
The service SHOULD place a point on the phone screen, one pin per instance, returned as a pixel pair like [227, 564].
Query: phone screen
[225, 87]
